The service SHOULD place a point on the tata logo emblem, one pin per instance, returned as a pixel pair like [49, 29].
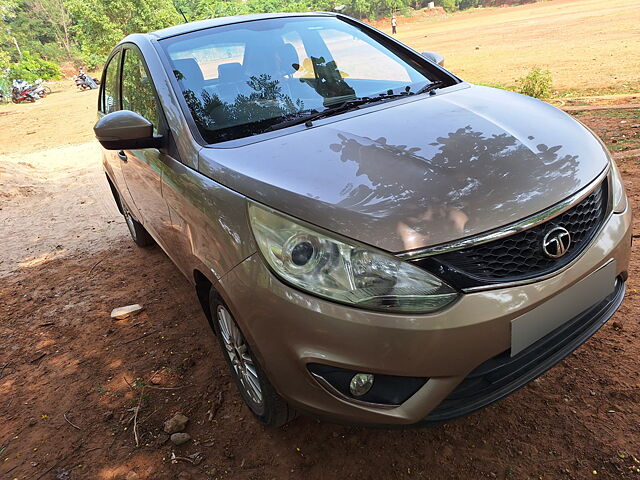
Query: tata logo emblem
[556, 242]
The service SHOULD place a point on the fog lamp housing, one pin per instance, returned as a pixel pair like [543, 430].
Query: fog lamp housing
[362, 387]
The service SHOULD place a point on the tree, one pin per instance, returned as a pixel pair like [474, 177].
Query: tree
[100, 24]
[55, 14]
[39, 26]
[8, 46]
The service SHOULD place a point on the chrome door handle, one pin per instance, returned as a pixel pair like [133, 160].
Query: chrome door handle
[122, 156]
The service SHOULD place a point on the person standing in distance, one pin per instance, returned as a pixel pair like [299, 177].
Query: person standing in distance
[394, 24]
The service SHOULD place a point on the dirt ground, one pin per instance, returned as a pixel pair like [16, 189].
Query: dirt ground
[77, 387]
[48, 147]
[586, 44]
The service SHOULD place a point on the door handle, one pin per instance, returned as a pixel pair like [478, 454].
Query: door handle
[122, 156]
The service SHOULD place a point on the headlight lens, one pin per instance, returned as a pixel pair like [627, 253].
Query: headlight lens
[344, 272]
[619, 197]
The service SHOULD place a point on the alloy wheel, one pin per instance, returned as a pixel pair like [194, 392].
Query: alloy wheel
[129, 219]
[240, 358]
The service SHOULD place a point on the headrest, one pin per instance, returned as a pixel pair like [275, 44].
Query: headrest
[289, 61]
[230, 72]
[187, 70]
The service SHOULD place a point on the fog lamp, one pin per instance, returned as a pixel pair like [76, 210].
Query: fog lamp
[360, 384]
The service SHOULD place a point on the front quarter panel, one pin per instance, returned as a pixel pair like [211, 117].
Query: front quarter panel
[209, 224]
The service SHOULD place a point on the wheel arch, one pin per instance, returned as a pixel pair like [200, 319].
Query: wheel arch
[203, 287]
[115, 193]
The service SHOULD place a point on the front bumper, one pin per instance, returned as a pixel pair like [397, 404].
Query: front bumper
[501, 375]
[289, 330]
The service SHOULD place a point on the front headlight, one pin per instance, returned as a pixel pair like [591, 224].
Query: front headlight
[344, 272]
[619, 197]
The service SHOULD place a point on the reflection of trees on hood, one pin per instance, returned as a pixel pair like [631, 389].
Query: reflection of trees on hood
[467, 167]
[266, 101]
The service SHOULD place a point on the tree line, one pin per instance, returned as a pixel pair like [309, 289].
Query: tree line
[37, 35]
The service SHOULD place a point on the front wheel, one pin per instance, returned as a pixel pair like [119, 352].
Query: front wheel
[256, 390]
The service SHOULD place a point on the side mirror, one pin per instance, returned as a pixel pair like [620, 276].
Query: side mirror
[434, 57]
[126, 130]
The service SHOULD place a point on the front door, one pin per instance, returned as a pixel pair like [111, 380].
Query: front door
[143, 169]
[110, 102]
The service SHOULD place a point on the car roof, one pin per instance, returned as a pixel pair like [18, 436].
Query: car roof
[217, 22]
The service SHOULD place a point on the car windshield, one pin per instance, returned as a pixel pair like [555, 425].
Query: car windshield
[247, 78]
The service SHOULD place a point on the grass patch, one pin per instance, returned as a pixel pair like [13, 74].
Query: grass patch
[576, 93]
[627, 88]
[616, 127]
[623, 144]
[623, 114]
[501, 86]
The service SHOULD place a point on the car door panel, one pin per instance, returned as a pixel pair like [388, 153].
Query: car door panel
[142, 169]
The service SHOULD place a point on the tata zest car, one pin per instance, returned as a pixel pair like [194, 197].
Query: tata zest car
[373, 239]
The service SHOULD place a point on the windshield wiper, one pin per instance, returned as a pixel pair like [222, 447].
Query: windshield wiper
[308, 118]
[429, 87]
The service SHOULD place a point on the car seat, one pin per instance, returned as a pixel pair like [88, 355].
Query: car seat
[188, 74]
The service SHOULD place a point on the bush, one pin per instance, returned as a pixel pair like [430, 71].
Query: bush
[455, 5]
[91, 60]
[31, 67]
[537, 83]
[448, 5]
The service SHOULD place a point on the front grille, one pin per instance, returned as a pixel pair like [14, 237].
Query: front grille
[503, 374]
[520, 256]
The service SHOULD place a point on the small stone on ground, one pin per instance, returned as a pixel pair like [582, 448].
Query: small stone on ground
[124, 312]
[176, 424]
[180, 438]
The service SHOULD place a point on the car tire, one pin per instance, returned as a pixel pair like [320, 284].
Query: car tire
[138, 233]
[256, 390]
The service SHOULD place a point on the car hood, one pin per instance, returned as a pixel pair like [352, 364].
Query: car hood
[418, 172]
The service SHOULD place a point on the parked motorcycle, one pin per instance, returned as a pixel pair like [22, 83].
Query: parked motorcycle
[41, 89]
[22, 91]
[86, 82]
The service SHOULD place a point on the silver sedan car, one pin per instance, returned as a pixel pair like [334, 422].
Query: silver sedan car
[372, 239]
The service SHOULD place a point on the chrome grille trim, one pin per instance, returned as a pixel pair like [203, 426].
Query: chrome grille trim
[511, 229]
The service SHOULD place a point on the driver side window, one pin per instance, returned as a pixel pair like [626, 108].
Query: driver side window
[110, 88]
[137, 92]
